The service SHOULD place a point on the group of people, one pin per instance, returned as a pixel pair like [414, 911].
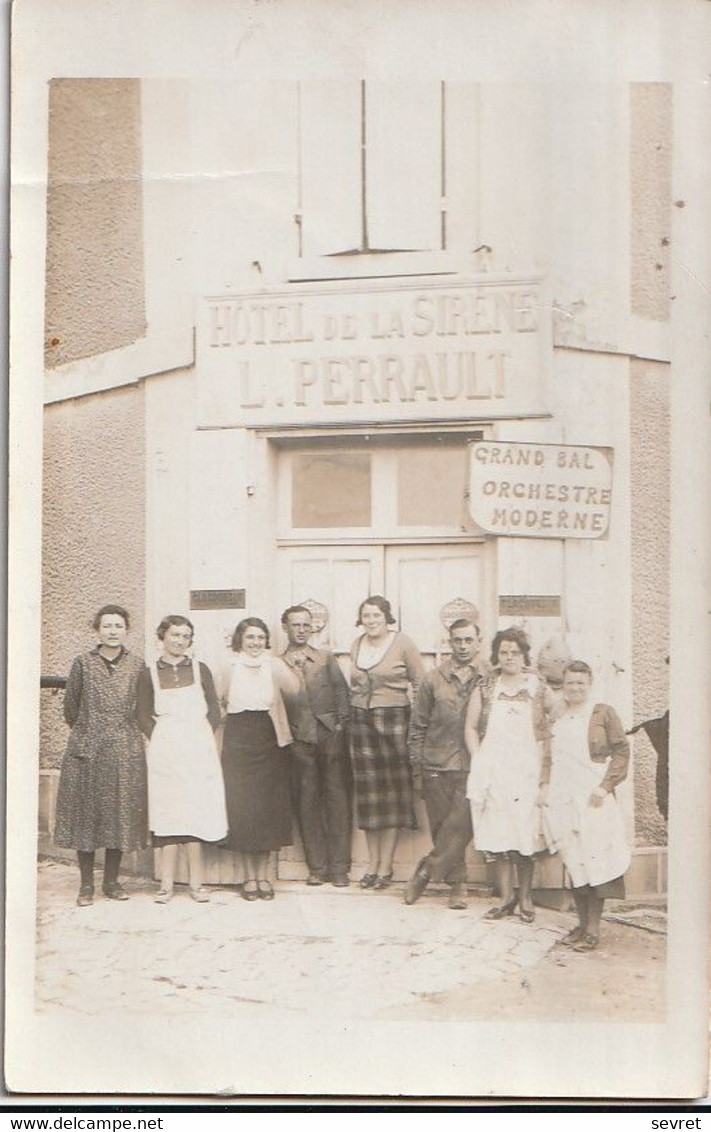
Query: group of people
[496, 755]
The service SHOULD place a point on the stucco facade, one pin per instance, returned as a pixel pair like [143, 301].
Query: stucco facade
[95, 292]
[94, 530]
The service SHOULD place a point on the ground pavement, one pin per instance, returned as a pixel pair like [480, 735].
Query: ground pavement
[342, 952]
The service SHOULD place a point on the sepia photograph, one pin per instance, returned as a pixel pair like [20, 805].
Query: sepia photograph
[356, 570]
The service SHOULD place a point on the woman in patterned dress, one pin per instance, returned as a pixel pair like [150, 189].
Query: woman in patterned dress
[102, 797]
[385, 664]
[508, 736]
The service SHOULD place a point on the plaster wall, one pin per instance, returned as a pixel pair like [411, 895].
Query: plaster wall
[94, 273]
[94, 533]
[650, 519]
[650, 187]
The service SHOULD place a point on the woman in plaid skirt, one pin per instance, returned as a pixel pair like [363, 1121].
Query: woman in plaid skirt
[384, 665]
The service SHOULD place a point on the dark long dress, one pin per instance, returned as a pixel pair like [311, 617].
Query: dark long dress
[102, 800]
[256, 772]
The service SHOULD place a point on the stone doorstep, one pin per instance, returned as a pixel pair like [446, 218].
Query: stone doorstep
[647, 915]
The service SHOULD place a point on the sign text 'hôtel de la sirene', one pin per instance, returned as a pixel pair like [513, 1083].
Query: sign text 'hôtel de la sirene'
[382, 350]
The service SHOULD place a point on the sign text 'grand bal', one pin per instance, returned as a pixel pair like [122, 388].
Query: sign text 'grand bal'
[365, 350]
[540, 490]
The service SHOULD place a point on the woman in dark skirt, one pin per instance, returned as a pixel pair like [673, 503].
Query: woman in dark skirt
[385, 664]
[102, 799]
[254, 760]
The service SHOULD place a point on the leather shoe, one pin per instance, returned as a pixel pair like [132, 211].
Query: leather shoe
[314, 879]
[340, 880]
[86, 896]
[573, 937]
[588, 943]
[265, 890]
[458, 897]
[417, 884]
[502, 910]
[114, 891]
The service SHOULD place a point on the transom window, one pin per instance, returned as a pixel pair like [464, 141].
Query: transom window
[372, 490]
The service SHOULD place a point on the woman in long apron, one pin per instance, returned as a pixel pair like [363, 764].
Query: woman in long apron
[179, 712]
[581, 816]
[507, 734]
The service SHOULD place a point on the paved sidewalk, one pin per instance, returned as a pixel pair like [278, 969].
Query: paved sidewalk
[342, 952]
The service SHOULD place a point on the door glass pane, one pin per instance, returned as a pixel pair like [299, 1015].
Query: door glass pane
[331, 490]
[430, 486]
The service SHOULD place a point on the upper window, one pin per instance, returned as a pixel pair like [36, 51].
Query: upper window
[371, 167]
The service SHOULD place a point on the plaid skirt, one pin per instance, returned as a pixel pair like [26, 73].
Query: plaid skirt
[381, 768]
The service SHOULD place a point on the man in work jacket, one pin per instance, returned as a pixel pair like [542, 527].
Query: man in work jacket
[440, 760]
[318, 717]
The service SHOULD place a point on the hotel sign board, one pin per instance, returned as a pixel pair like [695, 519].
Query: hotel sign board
[372, 350]
[540, 490]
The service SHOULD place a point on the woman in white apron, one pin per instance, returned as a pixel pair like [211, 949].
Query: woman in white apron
[507, 734]
[179, 712]
[581, 817]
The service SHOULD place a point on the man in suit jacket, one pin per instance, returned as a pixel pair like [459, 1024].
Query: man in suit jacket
[318, 717]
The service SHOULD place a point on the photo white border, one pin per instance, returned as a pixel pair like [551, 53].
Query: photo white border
[600, 40]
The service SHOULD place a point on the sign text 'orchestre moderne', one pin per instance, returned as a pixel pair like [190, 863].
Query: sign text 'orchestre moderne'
[542, 490]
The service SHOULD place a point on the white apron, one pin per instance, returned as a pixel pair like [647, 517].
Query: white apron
[504, 779]
[590, 839]
[186, 791]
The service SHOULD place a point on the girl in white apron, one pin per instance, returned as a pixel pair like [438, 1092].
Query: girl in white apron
[179, 711]
[581, 817]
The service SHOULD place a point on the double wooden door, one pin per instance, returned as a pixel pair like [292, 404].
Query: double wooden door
[418, 580]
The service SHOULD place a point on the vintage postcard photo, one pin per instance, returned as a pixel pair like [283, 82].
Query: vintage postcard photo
[358, 549]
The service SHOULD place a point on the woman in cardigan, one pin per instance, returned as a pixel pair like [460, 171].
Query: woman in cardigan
[507, 734]
[384, 665]
[254, 761]
[582, 818]
[179, 713]
[102, 802]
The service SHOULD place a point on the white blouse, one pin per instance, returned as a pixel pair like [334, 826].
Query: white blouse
[251, 685]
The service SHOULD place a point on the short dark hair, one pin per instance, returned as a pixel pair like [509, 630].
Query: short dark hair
[244, 624]
[579, 666]
[517, 637]
[294, 609]
[464, 623]
[382, 604]
[108, 611]
[174, 619]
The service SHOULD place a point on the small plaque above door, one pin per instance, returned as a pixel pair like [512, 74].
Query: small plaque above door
[217, 599]
[529, 605]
